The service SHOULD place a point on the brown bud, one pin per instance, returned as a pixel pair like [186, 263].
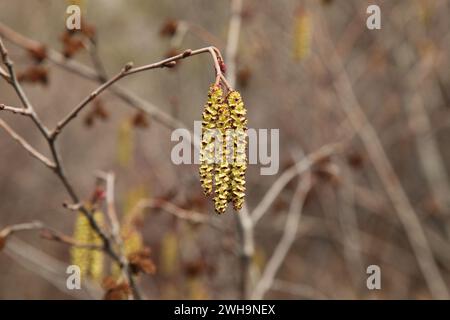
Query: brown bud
[169, 28]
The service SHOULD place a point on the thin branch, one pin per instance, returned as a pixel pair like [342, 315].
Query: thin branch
[92, 48]
[129, 70]
[361, 124]
[297, 169]
[22, 111]
[187, 215]
[109, 178]
[33, 152]
[47, 233]
[49, 268]
[85, 72]
[245, 227]
[108, 245]
[233, 38]
[288, 238]
[18, 88]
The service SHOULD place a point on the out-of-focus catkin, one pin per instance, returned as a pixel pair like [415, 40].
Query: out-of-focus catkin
[302, 34]
[223, 171]
[89, 261]
[82, 234]
[97, 256]
[209, 123]
[239, 164]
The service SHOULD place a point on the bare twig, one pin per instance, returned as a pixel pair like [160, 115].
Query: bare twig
[18, 88]
[187, 215]
[129, 70]
[47, 233]
[22, 111]
[297, 169]
[287, 239]
[247, 250]
[388, 177]
[234, 29]
[27, 146]
[49, 268]
[87, 73]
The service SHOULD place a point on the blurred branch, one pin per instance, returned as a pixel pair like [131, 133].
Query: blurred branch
[234, 29]
[245, 225]
[430, 157]
[48, 268]
[287, 239]
[92, 48]
[46, 232]
[380, 160]
[297, 169]
[300, 290]
[182, 214]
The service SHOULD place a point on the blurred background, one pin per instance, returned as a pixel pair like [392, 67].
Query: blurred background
[309, 68]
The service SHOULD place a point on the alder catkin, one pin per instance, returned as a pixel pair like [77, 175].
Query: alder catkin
[97, 256]
[207, 158]
[239, 163]
[302, 35]
[82, 234]
[223, 170]
[89, 261]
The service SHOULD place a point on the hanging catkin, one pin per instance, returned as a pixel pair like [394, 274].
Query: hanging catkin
[223, 170]
[223, 149]
[239, 164]
[89, 261]
[209, 123]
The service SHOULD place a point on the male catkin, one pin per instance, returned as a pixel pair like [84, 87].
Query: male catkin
[239, 164]
[209, 123]
[88, 260]
[223, 168]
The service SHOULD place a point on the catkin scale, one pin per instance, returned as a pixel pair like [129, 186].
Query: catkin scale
[207, 158]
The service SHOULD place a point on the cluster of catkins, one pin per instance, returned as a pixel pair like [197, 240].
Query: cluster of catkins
[223, 159]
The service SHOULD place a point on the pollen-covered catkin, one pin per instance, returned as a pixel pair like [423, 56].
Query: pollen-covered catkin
[223, 171]
[82, 234]
[97, 256]
[209, 123]
[239, 164]
[88, 260]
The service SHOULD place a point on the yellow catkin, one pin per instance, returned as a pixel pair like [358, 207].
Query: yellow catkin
[125, 143]
[89, 261]
[133, 242]
[239, 163]
[97, 256]
[223, 170]
[302, 35]
[169, 253]
[209, 118]
[82, 234]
